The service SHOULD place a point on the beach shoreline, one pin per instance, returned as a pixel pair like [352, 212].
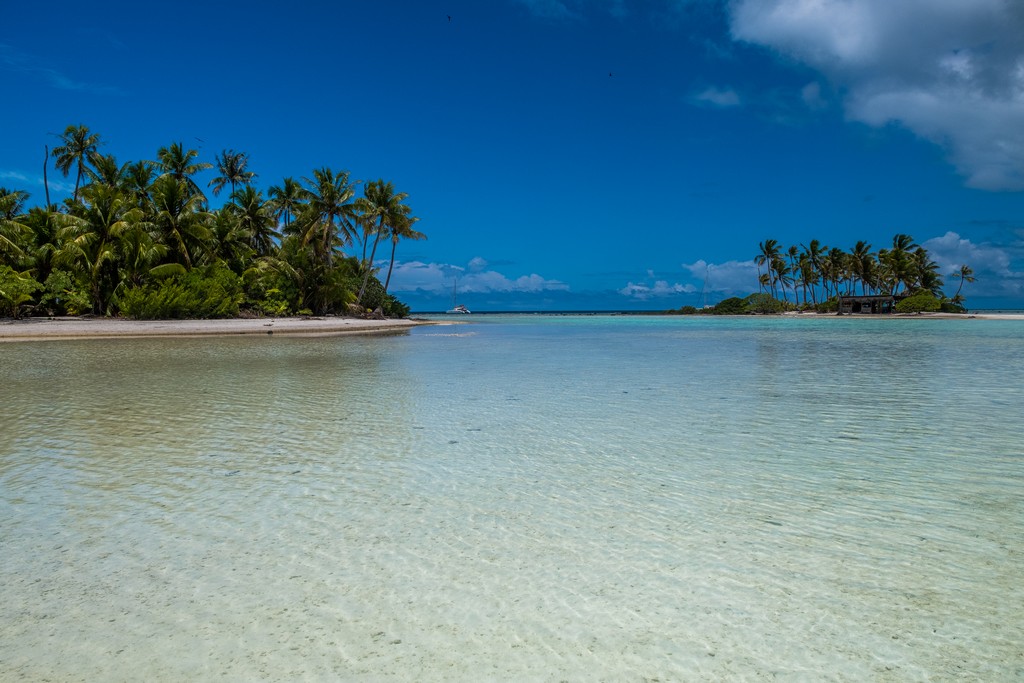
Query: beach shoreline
[62, 328]
[69, 327]
[909, 316]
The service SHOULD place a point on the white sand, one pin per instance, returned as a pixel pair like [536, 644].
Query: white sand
[36, 329]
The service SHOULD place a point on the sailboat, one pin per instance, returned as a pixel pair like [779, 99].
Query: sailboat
[456, 307]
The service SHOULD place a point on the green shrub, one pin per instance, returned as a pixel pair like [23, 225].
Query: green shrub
[764, 303]
[62, 295]
[16, 290]
[374, 298]
[830, 306]
[731, 306]
[213, 292]
[269, 292]
[687, 310]
[919, 303]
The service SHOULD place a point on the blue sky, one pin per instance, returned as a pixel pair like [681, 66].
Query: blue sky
[570, 154]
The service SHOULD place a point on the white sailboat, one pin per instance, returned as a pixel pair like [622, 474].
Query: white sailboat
[456, 307]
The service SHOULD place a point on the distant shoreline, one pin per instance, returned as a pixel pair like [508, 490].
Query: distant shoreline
[981, 315]
[910, 316]
[44, 329]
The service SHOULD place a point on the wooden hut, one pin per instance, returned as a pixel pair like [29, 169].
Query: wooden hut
[873, 304]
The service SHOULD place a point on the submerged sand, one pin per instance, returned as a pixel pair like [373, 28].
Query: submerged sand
[36, 329]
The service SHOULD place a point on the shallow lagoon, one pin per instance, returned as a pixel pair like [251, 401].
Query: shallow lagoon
[526, 497]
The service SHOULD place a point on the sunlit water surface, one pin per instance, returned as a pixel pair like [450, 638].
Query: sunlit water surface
[545, 498]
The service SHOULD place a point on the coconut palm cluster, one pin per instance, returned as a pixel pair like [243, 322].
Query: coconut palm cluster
[140, 239]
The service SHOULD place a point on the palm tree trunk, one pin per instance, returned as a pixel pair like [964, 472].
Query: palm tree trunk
[391, 264]
[369, 266]
[46, 183]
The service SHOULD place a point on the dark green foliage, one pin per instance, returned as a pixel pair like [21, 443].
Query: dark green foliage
[393, 308]
[63, 296]
[731, 306]
[830, 306]
[213, 292]
[952, 307]
[687, 310]
[920, 302]
[764, 304]
[270, 291]
[140, 239]
[16, 290]
[374, 297]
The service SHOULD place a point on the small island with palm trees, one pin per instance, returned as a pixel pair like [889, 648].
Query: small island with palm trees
[816, 278]
[139, 240]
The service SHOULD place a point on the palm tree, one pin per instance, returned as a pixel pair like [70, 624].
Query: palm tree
[232, 242]
[232, 168]
[768, 255]
[816, 253]
[256, 217]
[927, 272]
[381, 208]
[402, 229]
[834, 269]
[899, 263]
[966, 274]
[326, 220]
[180, 221]
[794, 271]
[12, 230]
[106, 171]
[139, 252]
[79, 146]
[178, 163]
[40, 247]
[809, 277]
[88, 244]
[861, 263]
[286, 200]
[782, 276]
[137, 179]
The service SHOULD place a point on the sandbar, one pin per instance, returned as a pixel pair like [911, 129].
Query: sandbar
[42, 329]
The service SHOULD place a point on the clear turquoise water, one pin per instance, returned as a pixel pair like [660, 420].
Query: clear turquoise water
[522, 498]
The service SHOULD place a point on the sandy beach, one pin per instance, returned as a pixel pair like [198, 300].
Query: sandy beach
[38, 329]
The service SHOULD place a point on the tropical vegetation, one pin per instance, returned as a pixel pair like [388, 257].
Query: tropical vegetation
[816, 273]
[813, 276]
[141, 239]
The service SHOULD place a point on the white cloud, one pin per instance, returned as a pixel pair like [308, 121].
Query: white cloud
[23, 179]
[719, 97]
[437, 278]
[14, 175]
[658, 288]
[951, 71]
[991, 264]
[731, 276]
[951, 251]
